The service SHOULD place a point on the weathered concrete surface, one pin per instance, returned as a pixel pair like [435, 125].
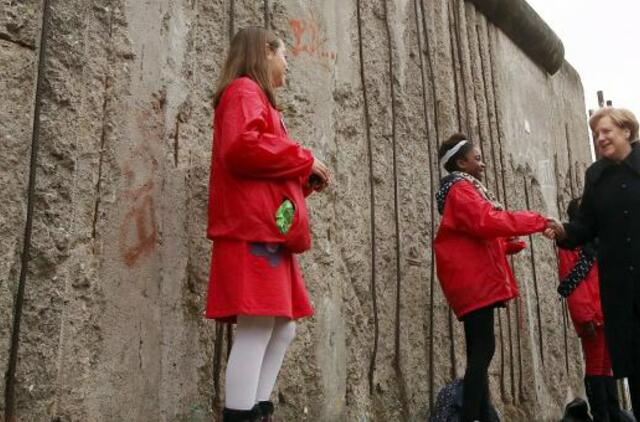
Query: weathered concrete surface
[20, 22]
[18, 31]
[15, 141]
[112, 326]
[526, 29]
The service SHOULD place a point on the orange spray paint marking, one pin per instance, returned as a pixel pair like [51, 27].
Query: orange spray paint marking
[310, 38]
[138, 230]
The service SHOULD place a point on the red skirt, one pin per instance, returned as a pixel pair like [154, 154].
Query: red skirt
[249, 278]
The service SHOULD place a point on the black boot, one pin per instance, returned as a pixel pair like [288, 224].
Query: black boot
[232, 415]
[265, 411]
[596, 387]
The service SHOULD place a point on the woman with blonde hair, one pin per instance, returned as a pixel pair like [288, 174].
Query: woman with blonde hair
[258, 220]
[610, 211]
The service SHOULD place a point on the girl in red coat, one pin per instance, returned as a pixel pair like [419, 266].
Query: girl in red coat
[473, 238]
[579, 283]
[257, 221]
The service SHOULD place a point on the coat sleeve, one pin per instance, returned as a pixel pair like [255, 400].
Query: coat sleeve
[475, 215]
[582, 305]
[248, 149]
[566, 261]
[584, 228]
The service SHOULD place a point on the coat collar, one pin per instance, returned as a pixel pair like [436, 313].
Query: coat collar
[632, 161]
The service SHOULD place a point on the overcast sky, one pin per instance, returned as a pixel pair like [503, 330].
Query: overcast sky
[601, 41]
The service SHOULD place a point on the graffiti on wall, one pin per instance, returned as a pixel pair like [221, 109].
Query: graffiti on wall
[138, 229]
[138, 232]
[310, 38]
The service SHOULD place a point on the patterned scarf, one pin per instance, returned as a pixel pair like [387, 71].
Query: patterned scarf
[578, 273]
[447, 183]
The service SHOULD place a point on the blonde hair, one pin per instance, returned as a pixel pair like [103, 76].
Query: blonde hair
[247, 57]
[621, 117]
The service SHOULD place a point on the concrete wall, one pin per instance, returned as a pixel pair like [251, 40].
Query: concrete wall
[112, 325]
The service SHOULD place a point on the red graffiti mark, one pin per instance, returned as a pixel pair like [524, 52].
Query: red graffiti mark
[139, 171]
[310, 38]
[138, 232]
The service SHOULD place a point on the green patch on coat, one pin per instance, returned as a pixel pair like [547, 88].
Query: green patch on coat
[284, 216]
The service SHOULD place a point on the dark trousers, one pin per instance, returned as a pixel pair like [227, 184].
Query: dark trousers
[602, 392]
[481, 345]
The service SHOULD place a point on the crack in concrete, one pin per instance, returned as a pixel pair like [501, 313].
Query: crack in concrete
[10, 380]
[232, 22]
[6, 37]
[396, 210]
[512, 376]
[103, 135]
[564, 302]
[176, 142]
[267, 14]
[457, 29]
[367, 120]
[454, 69]
[419, 13]
[535, 275]
[217, 364]
[104, 132]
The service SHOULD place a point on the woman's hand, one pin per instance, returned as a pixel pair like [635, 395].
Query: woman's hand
[554, 230]
[322, 172]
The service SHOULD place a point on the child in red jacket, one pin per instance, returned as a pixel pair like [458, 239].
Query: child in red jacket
[473, 238]
[579, 283]
[257, 221]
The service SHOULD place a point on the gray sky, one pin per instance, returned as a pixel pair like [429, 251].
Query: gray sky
[601, 42]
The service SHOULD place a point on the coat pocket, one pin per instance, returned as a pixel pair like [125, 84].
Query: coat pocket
[284, 216]
[292, 221]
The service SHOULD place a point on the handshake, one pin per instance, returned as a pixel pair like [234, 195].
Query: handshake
[554, 230]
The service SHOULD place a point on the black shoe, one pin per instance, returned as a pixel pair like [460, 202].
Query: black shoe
[265, 411]
[577, 411]
[232, 415]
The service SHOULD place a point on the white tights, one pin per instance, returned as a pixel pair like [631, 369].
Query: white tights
[256, 357]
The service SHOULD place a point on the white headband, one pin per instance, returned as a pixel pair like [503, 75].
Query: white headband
[453, 151]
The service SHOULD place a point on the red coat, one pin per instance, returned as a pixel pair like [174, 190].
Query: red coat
[584, 301]
[584, 306]
[255, 166]
[471, 249]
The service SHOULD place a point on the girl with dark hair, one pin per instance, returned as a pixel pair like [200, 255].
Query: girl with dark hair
[471, 247]
[257, 220]
[580, 285]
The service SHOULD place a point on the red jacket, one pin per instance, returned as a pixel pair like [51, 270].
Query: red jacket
[255, 166]
[584, 302]
[471, 249]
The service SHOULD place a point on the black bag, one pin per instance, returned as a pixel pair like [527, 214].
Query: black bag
[448, 406]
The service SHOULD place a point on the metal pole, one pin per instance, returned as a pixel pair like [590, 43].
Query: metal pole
[600, 99]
